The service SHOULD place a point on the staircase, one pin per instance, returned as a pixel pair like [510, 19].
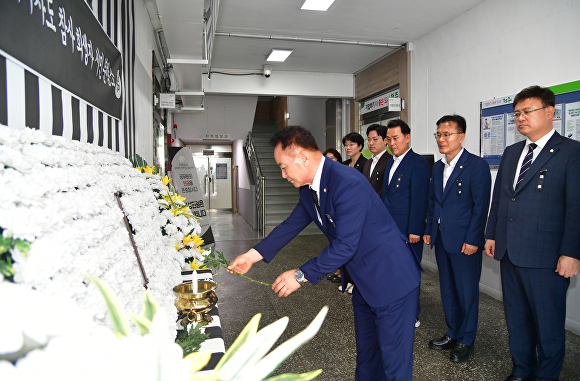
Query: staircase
[280, 196]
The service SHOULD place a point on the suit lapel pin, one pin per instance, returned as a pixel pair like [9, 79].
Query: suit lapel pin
[324, 190]
[461, 167]
[552, 150]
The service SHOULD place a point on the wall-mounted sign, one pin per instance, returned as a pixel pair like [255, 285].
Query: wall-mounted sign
[166, 100]
[208, 152]
[379, 102]
[65, 44]
[394, 104]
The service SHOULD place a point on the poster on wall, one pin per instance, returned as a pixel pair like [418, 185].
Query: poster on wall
[493, 135]
[572, 129]
[221, 171]
[186, 183]
[66, 45]
[512, 134]
[557, 119]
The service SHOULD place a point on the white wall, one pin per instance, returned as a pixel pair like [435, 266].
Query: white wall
[495, 49]
[143, 79]
[309, 113]
[231, 114]
[330, 85]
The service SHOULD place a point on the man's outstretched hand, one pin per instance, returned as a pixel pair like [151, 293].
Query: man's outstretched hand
[242, 263]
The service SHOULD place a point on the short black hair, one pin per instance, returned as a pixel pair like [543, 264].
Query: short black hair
[294, 136]
[405, 129]
[461, 123]
[335, 153]
[354, 137]
[542, 93]
[380, 129]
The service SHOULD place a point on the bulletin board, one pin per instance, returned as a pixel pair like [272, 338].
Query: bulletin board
[498, 126]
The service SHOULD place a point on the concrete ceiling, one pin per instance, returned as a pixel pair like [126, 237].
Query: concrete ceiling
[372, 21]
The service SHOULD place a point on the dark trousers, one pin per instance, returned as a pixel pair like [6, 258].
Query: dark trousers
[459, 276]
[535, 310]
[384, 338]
[418, 250]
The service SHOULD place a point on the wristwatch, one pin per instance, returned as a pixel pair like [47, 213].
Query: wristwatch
[299, 276]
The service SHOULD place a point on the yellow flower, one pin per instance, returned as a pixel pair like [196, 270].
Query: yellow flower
[177, 246]
[173, 198]
[140, 169]
[165, 180]
[180, 210]
[195, 266]
[149, 169]
[187, 239]
[197, 241]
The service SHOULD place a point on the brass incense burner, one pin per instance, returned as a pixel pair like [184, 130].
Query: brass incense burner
[193, 307]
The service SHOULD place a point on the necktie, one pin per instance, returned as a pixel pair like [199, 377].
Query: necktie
[315, 198]
[526, 163]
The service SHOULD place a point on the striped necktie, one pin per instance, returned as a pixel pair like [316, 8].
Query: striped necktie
[526, 164]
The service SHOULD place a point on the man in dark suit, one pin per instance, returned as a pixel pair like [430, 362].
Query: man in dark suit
[458, 204]
[406, 188]
[374, 169]
[534, 231]
[357, 225]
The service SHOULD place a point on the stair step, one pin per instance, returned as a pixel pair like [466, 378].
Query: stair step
[309, 230]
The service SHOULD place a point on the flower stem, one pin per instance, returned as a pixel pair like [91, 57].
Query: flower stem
[250, 279]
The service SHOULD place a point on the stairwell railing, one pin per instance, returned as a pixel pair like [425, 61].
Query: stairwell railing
[259, 183]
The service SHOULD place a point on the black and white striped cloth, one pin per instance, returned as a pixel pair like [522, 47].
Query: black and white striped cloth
[27, 99]
[215, 343]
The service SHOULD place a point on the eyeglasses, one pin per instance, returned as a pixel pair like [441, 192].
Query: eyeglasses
[445, 135]
[528, 112]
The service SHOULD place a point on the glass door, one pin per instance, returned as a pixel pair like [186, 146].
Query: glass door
[214, 169]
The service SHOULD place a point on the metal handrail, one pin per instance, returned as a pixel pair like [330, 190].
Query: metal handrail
[259, 181]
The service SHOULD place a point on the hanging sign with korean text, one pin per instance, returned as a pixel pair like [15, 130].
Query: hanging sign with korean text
[62, 41]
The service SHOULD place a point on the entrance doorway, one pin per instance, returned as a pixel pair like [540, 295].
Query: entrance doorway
[213, 164]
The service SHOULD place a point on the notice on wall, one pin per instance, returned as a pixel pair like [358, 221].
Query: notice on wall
[557, 119]
[221, 171]
[493, 135]
[186, 183]
[572, 129]
[512, 134]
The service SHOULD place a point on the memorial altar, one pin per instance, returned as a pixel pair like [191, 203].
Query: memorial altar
[91, 249]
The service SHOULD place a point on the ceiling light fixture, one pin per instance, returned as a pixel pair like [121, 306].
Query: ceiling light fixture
[279, 55]
[316, 5]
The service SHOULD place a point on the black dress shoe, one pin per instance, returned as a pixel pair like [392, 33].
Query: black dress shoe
[443, 343]
[461, 352]
[514, 378]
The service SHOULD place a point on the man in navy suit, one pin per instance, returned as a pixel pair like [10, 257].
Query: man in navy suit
[534, 231]
[362, 237]
[458, 204]
[406, 188]
[374, 168]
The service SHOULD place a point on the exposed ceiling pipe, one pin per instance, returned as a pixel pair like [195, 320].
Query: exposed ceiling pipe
[306, 39]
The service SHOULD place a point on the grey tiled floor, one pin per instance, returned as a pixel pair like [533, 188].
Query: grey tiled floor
[333, 348]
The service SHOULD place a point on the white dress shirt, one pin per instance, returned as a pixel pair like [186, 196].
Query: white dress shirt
[396, 161]
[316, 185]
[449, 166]
[375, 159]
[541, 142]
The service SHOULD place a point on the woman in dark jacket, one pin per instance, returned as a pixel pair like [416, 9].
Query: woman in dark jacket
[353, 145]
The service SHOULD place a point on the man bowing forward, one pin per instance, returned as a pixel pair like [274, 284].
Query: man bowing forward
[386, 271]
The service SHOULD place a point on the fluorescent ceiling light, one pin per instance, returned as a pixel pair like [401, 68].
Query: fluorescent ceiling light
[316, 5]
[279, 55]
